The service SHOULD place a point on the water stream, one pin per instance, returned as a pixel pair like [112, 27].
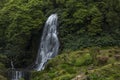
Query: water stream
[18, 74]
[49, 46]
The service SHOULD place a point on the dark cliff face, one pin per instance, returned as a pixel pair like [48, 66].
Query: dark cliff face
[33, 46]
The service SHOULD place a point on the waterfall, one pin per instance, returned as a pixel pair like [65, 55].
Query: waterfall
[12, 65]
[49, 43]
[16, 75]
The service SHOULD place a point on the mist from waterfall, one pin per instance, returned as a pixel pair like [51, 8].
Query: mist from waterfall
[49, 44]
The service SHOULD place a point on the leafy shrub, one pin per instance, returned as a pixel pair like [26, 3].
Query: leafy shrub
[2, 66]
[22, 79]
[52, 75]
[84, 60]
[71, 70]
[64, 77]
[94, 52]
[94, 76]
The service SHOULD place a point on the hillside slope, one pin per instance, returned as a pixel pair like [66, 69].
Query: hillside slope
[104, 65]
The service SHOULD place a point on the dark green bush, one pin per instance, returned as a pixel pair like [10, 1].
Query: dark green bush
[71, 70]
[86, 59]
[64, 77]
[95, 77]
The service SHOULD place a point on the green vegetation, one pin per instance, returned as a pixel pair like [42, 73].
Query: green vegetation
[82, 24]
[69, 64]
[108, 72]
[2, 67]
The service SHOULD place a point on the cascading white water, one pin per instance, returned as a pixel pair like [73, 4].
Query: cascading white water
[19, 74]
[12, 65]
[16, 75]
[49, 42]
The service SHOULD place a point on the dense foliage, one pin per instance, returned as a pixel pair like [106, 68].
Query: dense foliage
[71, 63]
[82, 23]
